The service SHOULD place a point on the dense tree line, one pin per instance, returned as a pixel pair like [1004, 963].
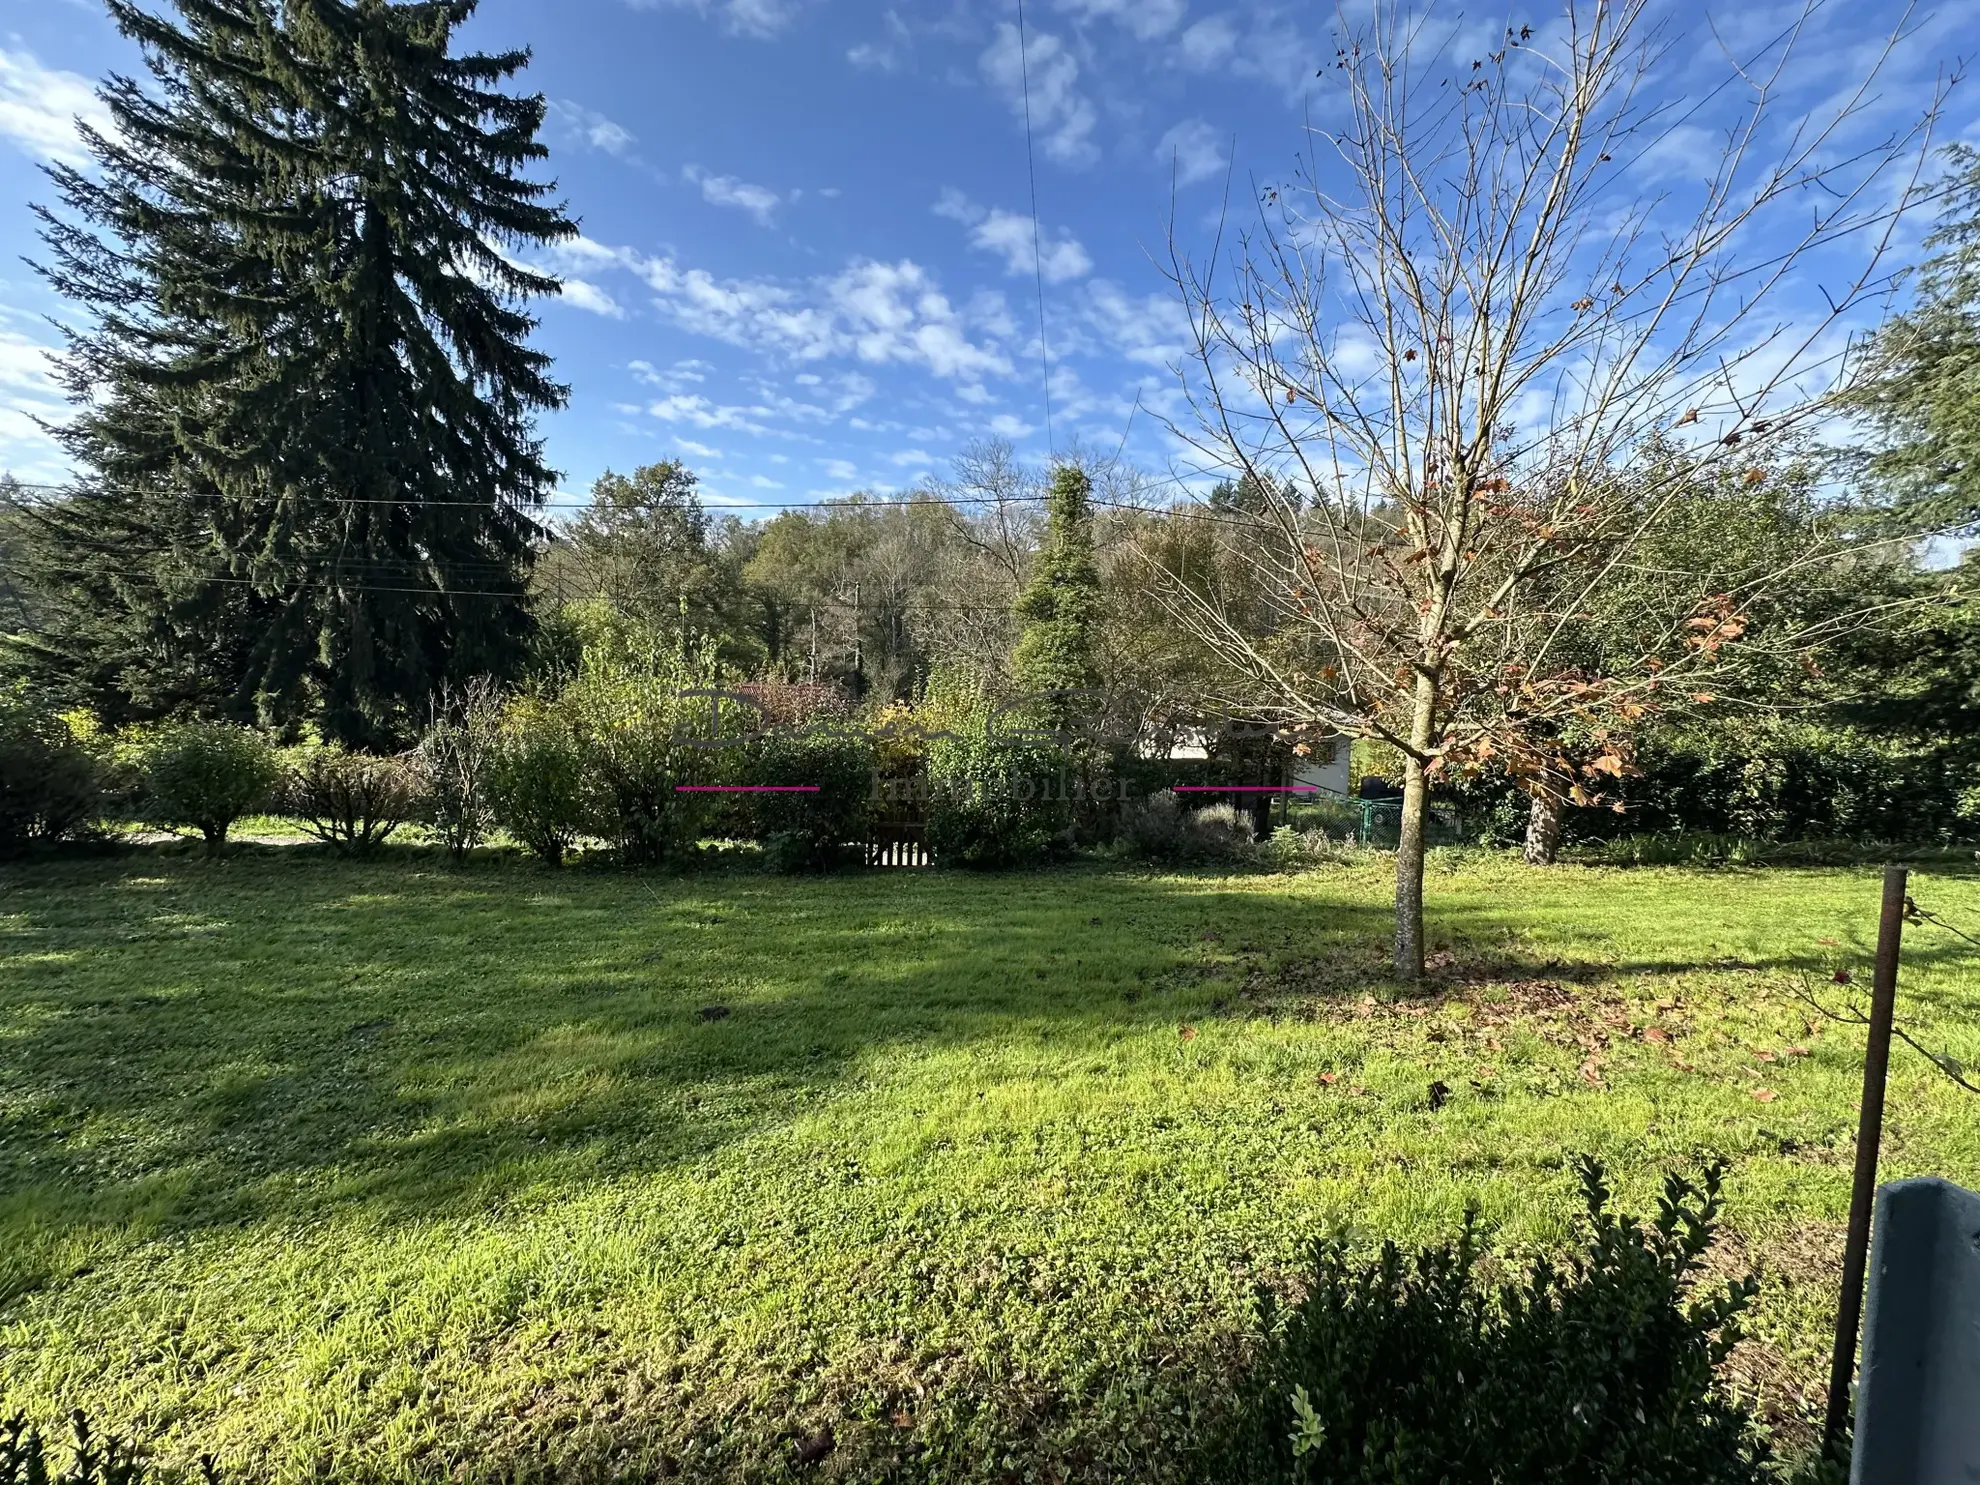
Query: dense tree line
[309, 488]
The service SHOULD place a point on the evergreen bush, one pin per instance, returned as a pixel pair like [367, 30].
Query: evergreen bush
[1597, 1370]
[808, 831]
[51, 788]
[206, 775]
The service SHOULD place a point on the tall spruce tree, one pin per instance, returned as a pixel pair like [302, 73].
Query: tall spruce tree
[1060, 605]
[1921, 383]
[305, 393]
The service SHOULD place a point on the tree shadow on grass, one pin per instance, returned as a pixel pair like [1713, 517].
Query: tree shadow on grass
[216, 1042]
[280, 1033]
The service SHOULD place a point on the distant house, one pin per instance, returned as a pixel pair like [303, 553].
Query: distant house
[1264, 755]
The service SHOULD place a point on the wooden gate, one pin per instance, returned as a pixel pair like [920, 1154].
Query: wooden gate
[900, 829]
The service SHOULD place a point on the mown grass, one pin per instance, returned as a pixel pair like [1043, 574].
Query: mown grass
[403, 1171]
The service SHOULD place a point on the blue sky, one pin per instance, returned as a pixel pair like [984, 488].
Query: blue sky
[807, 260]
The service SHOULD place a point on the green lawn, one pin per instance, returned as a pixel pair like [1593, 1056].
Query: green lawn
[407, 1171]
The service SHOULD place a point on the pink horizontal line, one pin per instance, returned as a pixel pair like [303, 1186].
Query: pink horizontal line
[745, 788]
[1247, 789]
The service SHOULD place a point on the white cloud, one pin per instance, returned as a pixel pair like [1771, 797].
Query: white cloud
[889, 54]
[1194, 150]
[1006, 426]
[726, 190]
[1147, 19]
[699, 412]
[876, 312]
[573, 123]
[894, 312]
[1152, 330]
[676, 378]
[28, 393]
[583, 295]
[976, 393]
[912, 459]
[1058, 110]
[699, 450]
[1011, 236]
[1208, 43]
[760, 18]
[39, 107]
[840, 469]
[764, 482]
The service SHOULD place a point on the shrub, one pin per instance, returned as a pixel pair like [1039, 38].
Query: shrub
[50, 787]
[1160, 829]
[353, 801]
[536, 781]
[206, 775]
[1599, 1369]
[1290, 849]
[995, 804]
[643, 737]
[804, 832]
[457, 753]
[995, 798]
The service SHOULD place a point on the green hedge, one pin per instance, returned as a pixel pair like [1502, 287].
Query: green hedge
[1763, 779]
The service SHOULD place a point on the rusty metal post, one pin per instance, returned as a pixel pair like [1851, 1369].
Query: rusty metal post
[1869, 1134]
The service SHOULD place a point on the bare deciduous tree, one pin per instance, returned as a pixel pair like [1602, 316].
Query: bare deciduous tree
[1476, 362]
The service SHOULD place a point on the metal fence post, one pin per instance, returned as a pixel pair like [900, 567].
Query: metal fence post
[1869, 1134]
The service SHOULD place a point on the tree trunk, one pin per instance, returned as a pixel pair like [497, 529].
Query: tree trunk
[1409, 876]
[1543, 818]
[1409, 841]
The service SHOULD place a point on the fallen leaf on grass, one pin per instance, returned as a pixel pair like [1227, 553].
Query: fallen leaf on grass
[1329, 1079]
[1188, 1033]
[1357, 1090]
[1656, 1034]
[1766, 1056]
[1764, 1095]
[1797, 1051]
[1591, 1072]
[1829, 943]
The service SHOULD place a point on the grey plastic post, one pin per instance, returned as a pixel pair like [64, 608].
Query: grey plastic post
[1918, 1398]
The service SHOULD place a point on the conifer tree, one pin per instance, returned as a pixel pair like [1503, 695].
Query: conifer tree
[1060, 604]
[1921, 383]
[304, 390]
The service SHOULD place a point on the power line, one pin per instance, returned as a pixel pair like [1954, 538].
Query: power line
[1037, 254]
[1190, 505]
[908, 607]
